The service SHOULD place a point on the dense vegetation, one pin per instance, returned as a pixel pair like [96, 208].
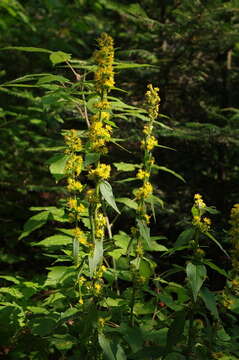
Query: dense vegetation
[119, 179]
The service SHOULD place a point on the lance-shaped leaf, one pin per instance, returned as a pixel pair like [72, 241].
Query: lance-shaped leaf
[107, 194]
[144, 231]
[95, 260]
[196, 276]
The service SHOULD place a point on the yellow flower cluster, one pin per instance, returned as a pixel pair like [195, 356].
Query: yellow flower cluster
[148, 129]
[100, 133]
[202, 223]
[72, 141]
[143, 174]
[101, 172]
[75, 210]
[199, 203]
[74, 165]
[149, 143]
[104, 57]
[80, 236]
[152, 101]
[144, 191]
[103, 105]
[100, 223]
[74, 185]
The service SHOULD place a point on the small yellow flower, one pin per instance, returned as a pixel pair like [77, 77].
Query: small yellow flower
[149, 143]
[143, 174]
[147, 218]
[97, 287]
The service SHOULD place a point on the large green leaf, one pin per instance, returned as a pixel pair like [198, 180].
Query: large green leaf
[209, 300]
[42, 326]
[128, 202]
[144, 231]
[57, 165]
[106, 347]
[97, 257]
[55, 240]
[34, 223]
[196, 276]
[107, 194]
[175, 331]
[58, 57]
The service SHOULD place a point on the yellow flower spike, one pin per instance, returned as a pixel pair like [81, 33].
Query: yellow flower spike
[152, 101]
[104, 57]
[199, 203]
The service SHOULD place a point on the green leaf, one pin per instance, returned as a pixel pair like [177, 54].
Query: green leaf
[107, 194]
[57, 165]
[185, 237]
[55, 240]
[63, 342]
[120, 354]
[34, 223]
[122, 166]
[58, 57]
[59, 274]
[196, 276]
[144, 231]
[91, 158]
[27, 49]
[69, 314]
[216, 268]
[105, 346]
[52, 78]
[97, 257]
[42, 326]
[175, 332]
[75, 252]
[128, 202]
[216, 242]
[91, 104]
[209, 300]
[163, 168]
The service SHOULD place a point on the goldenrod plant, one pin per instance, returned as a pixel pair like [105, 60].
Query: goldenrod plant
[112, 291]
